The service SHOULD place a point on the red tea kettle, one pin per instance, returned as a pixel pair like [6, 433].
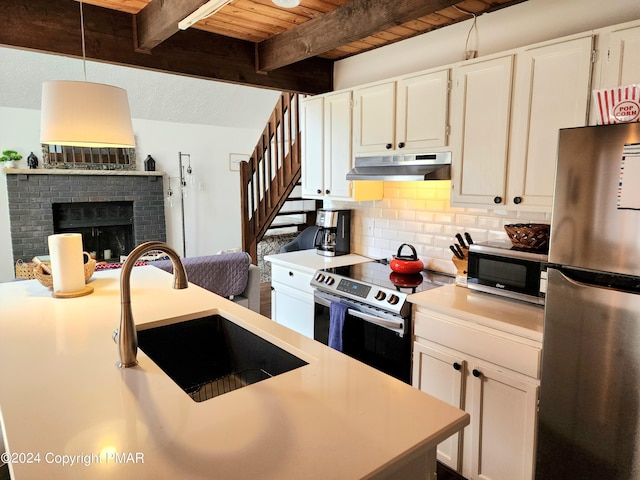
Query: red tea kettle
[406, 263]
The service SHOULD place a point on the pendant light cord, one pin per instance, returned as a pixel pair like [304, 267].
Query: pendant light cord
[84, 52]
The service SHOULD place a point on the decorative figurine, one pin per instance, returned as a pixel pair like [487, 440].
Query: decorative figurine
[149, 164]
[32, 160]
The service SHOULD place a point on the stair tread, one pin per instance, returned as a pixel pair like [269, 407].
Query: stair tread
[286, 225]
[293, 212]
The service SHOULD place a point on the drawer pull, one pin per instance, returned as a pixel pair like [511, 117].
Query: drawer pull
[290, 273]
[457, 366]
[476, 373]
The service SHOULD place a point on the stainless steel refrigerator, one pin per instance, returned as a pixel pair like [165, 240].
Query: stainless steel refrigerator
[589, 409]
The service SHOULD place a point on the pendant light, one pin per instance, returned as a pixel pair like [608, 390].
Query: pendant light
[81, 113]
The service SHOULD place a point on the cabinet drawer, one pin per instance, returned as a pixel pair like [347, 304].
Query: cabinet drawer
[482, 344]
[292, 278]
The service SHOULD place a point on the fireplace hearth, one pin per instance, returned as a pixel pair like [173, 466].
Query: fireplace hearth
[113, 210]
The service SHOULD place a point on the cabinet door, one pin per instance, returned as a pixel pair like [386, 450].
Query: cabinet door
[313, 147]
[292, 308]
[503, 422]
[551, 91]
[441, 375]
[337, 145]
[374, 118]
[422, 108]
[481, 102]
[621, 65]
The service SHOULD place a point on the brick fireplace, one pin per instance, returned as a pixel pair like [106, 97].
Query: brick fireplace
[37, 196]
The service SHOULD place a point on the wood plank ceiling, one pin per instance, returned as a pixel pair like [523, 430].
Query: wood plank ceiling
[251, 42]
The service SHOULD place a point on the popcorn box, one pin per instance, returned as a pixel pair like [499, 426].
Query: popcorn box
[617, 105]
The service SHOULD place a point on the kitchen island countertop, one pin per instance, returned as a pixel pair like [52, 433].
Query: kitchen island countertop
[64, 399]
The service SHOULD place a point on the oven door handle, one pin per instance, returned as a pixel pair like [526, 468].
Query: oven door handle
[320, 299]
[373, 319]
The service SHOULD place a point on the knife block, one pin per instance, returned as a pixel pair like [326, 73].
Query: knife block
[461, 265]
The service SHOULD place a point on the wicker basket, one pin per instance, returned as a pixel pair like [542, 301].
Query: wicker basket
[25, 270]
[534, 236]
[47, 280]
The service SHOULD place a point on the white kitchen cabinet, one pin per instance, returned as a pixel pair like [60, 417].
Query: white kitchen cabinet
[619, 56]
[617, 61]
[480, 114]
[327, 150]
[505, 133]
[495, 378]
[408, 114]
[442, 375]
[551, 91]
[292, 298]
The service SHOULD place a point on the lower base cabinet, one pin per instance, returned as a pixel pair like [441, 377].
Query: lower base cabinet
[292, 299]
[499, 443]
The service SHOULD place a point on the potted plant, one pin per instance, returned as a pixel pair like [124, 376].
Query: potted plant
[9, 157]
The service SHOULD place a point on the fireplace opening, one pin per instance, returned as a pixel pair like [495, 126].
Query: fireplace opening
[106, 227]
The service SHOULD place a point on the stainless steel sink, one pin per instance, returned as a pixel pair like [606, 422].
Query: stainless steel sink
[210, 356]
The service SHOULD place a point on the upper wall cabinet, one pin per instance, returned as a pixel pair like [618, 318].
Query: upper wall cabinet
[506, 135]
[327, 151]
[618, 58]
[480, 106]
[551, 91]
[409, 114]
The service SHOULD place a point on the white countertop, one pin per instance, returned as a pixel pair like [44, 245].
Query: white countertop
[310, 260]
[63, 395]
[511, 316]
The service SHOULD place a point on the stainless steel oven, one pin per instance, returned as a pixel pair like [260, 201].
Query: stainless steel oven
[377, 327]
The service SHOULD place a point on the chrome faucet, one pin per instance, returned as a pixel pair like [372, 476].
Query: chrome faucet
[125, 336]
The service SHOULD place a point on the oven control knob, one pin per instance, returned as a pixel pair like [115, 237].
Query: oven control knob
[330, 281]
[320, 278]
[380, 295]
[393, 299]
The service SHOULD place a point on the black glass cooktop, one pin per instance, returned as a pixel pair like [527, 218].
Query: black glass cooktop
[379, 274]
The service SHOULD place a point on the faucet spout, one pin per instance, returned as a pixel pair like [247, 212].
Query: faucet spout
[125, 336]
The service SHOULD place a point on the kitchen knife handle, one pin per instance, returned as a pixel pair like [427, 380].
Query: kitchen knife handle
[468, 237]
[455, 252]
[461, 240]
[460, 251]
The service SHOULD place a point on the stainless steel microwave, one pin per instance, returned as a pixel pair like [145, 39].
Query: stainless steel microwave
[499, 268]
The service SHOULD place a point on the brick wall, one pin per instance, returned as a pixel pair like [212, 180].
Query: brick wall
[31, 198]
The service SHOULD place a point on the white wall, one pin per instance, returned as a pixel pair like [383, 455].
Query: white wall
[212, 208]
[516, 26]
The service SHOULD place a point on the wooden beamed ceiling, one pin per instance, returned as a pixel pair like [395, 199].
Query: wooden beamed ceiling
[249, 42]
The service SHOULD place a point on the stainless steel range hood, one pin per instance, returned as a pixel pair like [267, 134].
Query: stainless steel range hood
[402, 168]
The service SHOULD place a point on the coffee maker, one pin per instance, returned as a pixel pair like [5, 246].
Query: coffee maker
[334, 236]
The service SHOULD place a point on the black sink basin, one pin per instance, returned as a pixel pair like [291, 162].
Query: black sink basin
[210, 356]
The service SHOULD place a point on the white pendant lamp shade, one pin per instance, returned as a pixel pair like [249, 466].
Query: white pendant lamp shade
[85, 114]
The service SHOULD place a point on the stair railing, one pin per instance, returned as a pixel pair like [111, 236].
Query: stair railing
[271, 173]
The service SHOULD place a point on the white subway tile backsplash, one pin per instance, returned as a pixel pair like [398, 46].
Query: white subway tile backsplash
[407, 214]
[445, 218]
[425, 216]
[419, 213]
[466, 221]
[437, 205]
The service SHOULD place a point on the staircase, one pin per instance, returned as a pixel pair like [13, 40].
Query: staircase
[271, 202]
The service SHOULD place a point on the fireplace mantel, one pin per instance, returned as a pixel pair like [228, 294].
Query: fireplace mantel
[65, 171]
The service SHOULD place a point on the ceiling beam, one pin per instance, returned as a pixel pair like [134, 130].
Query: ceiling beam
[353, 21]
[53, 26]
[158, 20]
